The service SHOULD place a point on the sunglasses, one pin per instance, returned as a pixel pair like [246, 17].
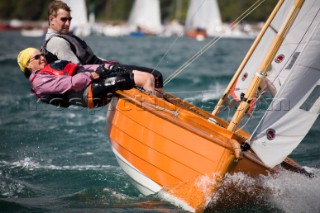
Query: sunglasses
[36, 57]
[65, 19]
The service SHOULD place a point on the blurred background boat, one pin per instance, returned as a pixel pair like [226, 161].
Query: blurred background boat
[80, 25]
[145, 18]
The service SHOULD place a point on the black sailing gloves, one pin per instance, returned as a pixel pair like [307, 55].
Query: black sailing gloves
[102, 71]
[120, 78]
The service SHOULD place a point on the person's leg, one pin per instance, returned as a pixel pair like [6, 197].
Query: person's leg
[147, 78]
[143, 80]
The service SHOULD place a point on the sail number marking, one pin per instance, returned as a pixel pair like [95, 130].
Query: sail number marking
[312, 103]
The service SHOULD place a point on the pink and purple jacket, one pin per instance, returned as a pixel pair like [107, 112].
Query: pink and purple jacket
[46, 84]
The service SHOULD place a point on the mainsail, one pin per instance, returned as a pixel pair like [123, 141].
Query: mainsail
[145, 14]
[294, 81]
[287, 53]
[79, 24]
[205, 15]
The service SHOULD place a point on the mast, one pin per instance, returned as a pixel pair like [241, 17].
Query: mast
[253, 88]
[249, 54]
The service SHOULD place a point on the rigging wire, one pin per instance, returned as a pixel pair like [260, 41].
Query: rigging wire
[177, 38]
[212, 42]
[265, 87]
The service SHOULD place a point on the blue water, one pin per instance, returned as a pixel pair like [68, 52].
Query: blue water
[60, 160]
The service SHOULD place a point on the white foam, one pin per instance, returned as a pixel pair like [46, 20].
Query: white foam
[99, 118]
[29, 164]
[204, 95]
[292, 192]
[87, 154]
[286, 191]
[116, 194]
[26, 163]
[203, 183]
[175, 201]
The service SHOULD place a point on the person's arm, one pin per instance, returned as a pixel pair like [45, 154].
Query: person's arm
[44, 84]
[62, 49]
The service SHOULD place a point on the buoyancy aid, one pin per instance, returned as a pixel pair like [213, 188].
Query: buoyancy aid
[78, 46]
[59, 68]
[98, 93]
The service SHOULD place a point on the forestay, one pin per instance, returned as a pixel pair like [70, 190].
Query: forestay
[294, 77]
[290, 42]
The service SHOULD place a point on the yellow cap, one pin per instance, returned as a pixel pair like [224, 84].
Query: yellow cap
[24, 57]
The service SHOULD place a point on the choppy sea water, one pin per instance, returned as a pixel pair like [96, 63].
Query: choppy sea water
[61, 161]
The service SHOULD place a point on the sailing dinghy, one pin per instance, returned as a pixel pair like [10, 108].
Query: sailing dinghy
[170, 146]
[204, 20]
[145, 18]
[80, 25]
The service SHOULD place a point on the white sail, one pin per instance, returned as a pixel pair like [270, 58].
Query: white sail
[295, 77]
[261, 50]
[145, 15]
[287, 53]
[205, 15]
[79, 24]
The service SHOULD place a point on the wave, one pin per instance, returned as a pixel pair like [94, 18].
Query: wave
[8, 58]
[285, 191]
[29, 164]
[282, 192]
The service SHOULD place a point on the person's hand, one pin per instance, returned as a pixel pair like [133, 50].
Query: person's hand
[118, 69]
[102, 71]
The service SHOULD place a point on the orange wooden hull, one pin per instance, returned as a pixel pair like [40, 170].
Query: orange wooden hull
[176, 145]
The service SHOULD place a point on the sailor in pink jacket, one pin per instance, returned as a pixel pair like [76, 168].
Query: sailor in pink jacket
[63, 83]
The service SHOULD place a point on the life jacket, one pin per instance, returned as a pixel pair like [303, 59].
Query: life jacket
[95, 95]
[78, 46]
[98, 93]
[60, 68]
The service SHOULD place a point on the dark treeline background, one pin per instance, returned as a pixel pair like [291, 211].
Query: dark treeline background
[118, 10]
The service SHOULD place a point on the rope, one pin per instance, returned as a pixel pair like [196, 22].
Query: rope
[212, 42]
[261, 95]
[176, 39]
